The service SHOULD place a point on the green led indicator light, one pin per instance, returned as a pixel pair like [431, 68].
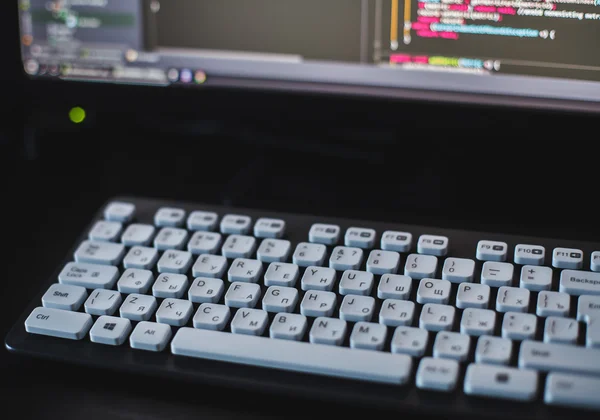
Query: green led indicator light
[77, 115]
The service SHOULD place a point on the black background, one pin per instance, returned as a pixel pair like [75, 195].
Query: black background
[500, 170]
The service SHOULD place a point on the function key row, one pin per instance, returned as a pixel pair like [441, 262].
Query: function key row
[117, 213]
[230, 224]
[525, 254]
[327, 234]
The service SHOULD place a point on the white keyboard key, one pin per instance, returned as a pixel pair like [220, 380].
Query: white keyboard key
[433, 291]
[90, 276]
[134, 280]
[110, 330]
[420, 266]
[497, 274]
[205, 221]
[242, 295]
[519, 326]
[105, 231]
[536, 278]
[176, 262]
[169, 217]
[478, 322]
[501, 382]
[206, 290]
[529, 254]
[458, 270]
[119, 211]
[567, 258]
[318, 278]
[288, 327]
[432, 245]
[103, 302]
[492, 251]
[138, 307]
[307, 254]
[547, 357]
[588, 308]
[170, 286]
[436, 317]
[245, 270]
[282, 274]
[396, 241]
[324, 234]
[150, 336]
[512, 299]
[329, 331]
[138, 234]
[64, 296]
[579, 282]
[292, 355]
[553, 304]
[345, 258]
[274, 250]
[356, 283]
[357, 308]
[593, 334]
[318, 303]
[93, 252]
[175, 312]
[572, 391]
[561, 330]
[368, 336]
[493, 350]
[58, 323]
[211, 316]
[269, 228]
[141, 257]
[360, 237]
[451, 345]
[395, 313]
[473, 295]
[208, 265]
[394, 286]
[238, 246]
[410, 341]
[236, 224]
[280, 299]
[383, 262]
[595, 261]
[437, 374]
[170, 238]
[203, 242]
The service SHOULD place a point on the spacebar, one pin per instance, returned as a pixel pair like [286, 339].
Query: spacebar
[296, 356]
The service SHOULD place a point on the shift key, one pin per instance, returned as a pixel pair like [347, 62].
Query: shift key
[547, 357]
[90, 276]
[58, 323]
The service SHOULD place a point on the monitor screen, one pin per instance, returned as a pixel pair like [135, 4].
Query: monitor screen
[516, 48]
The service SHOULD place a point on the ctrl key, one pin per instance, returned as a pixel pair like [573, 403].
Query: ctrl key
[58, 323]
[572, 391]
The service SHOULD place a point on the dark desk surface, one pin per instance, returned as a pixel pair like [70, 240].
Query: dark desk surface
[47, 201]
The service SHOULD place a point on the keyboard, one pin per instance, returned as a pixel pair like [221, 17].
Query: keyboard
[385, 315]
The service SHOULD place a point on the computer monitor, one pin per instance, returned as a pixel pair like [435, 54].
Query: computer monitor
[518, 52]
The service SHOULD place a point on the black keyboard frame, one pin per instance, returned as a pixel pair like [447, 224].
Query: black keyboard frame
[406, 398]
